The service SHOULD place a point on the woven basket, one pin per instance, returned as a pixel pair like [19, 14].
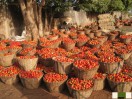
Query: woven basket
[53, 38]
[125, 56]
[55, 86]
[87, 31]
[10, 80]
[85, 74]
[120, 86]
[126, 41]
[112, 36]
[7, 60]
[110, 67]
[98, 33]
[62, 67]
[28, 46]
[99, 84]
[69, 46]
[30, 53]
[82, 94]
[31, 83]
[27, 64]
[47, 62]
[56, 44]
[81, 43]
[13, 50]
[2, 52]
[91, 35]
[95, 46]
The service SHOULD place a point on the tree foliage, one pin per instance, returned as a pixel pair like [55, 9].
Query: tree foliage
[97, 6]
[116, 5]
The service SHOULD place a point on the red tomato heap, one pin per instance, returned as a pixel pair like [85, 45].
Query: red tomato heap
[54, 77]
[99, 76]
[45, 50]
[14, 47]
[110, 59]
[8, 72]
[91, 56]
[26, 51]
[30, 74]
[82, 38]
[15, 43]
[75, 50]
[63, 59]
[127, 69]
[105, 54]
[32, 43]
[49, 55]
[68, 40]
[119, 77]
[122, 51]
[85, 48]
[118, 45]
[80, 55]
[125, 36]
[77, 84]
[27, 57]
[85, 64]
[94, 42]
[6, 54]
[129, 46]
[61, 52]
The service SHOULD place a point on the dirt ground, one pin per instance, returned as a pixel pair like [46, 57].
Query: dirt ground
[19, 92]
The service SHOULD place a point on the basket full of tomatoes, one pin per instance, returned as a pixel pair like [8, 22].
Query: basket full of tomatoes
[14, 49]
[7, 59]
[85, 69]
[99, 81]
[126, 38]
[28, 51]
[81, 40]
[120, 82]
[68, 44]
[27, 62]
[9, 75]
[80, 89]
[30, 79]
[55, 82]
[63, 64]
[124, 53]
[111, 64]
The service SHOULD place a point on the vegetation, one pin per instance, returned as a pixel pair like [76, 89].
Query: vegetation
[32, 11]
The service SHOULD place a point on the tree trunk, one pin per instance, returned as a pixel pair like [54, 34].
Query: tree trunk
[40, 24]
[29, 18]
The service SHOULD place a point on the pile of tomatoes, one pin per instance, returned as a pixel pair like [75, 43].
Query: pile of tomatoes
[120, 77]
[110, 59]
[9, 72]
[99, 76]
[85, 64]
[63, 59]
[30, 74]
[54, 77]
[78, 84]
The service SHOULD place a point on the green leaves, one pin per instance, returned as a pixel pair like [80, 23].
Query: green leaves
[117, 5]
